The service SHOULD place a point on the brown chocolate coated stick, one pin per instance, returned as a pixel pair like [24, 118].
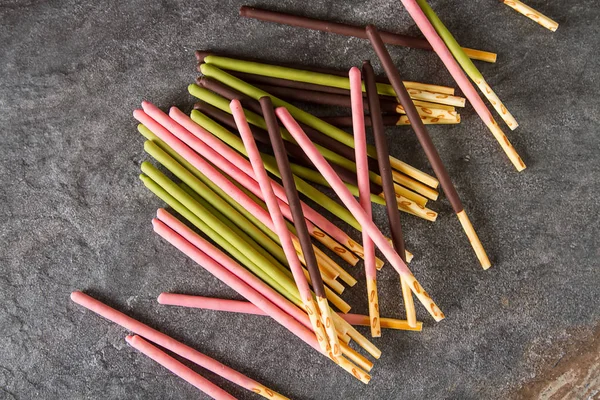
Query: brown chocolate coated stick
[426, 142]
[350, 30]
[383, 157]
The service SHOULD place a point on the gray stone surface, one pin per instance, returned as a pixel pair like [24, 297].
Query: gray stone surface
[74, 215]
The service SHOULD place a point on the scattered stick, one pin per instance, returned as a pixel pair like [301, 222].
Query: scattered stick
[467, 65]
[244, 307]
[386, 174]
[350, 30]
[322, 307]
[293, 74]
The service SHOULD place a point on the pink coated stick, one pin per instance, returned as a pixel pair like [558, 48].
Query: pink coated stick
[228, 263]
[234, 159]
[354, 207]
[188, 149]
[235, 306]
[461, 79]
[171, 344]
[362, 165]
[280, 227]
[362, 171]
[178, 368]
[235, 283]
[208, 303]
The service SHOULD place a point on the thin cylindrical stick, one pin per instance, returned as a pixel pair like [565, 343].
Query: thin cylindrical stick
[337, 156]
[467, 65]
[245, 307]
[349, 201]
[386, 175]
[310, 120]
[255, 297]
[461, 79]
[173, 345]
[177, 368]
[427, 144]
[362, 171]
[201, 55]
[278, 221]
[532, 14]
[350, 30]
[342, 82]
[286, 242]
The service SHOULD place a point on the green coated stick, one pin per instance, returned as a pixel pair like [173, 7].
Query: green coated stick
[302, 186]
[235, 228]
[281, 287]
[224, 233]
[215, 201]
[148, 134]
[290, 74]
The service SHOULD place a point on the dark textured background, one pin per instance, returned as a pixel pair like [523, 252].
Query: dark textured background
[73, 214]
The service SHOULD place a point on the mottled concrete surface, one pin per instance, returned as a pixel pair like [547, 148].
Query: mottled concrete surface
[74, 215]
